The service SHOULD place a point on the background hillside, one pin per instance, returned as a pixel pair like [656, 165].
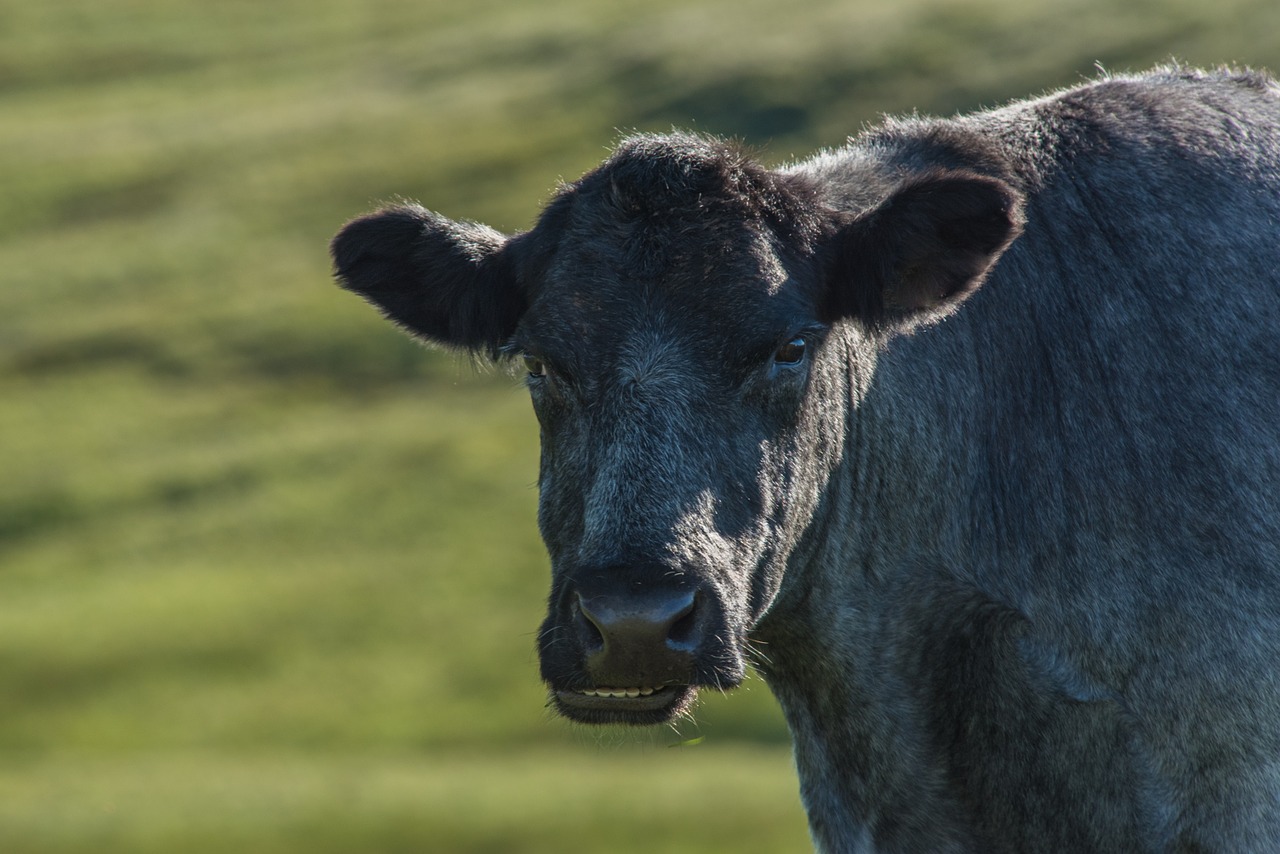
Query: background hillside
[269, 576]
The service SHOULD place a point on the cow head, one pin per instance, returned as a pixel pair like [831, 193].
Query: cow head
[692, 326]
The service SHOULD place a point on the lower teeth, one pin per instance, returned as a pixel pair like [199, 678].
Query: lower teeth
[621, 692]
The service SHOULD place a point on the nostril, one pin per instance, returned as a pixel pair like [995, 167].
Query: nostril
[588, 628]
[684, 625]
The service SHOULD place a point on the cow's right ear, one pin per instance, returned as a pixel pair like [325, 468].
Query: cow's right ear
[443, 281]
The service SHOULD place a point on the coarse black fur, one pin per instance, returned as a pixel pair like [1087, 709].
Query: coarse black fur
[966, 434]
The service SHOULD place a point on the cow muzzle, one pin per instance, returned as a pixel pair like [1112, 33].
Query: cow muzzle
[633, 651]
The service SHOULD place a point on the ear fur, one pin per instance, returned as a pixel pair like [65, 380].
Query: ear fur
[927, 247]
[443, 281]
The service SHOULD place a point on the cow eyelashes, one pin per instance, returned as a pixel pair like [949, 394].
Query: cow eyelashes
[535, 366]
[791, 353]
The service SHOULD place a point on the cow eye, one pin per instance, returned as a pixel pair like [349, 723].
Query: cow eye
[534, 366]
[791, 353]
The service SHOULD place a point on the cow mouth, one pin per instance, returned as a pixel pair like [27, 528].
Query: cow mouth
[639, 706]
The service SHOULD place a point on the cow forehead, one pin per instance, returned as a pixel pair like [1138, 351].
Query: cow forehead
[688, 261]
[639, 290]
[675, 237]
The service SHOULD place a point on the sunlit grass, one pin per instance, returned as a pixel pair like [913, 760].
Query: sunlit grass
[525, 802]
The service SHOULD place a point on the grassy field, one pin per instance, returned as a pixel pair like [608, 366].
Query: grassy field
[269, 576]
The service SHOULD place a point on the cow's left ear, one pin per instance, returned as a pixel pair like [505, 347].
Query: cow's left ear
[918, 254]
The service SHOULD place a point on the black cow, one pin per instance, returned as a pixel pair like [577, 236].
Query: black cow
[1009, 555]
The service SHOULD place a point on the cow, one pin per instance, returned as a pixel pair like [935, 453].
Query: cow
[965, 435]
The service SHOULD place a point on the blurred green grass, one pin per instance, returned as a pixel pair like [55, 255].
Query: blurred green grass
[269, 576]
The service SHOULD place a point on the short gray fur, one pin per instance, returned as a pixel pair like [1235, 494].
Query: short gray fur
[1005, 542]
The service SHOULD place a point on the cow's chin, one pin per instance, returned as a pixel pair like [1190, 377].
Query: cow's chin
[628, 706]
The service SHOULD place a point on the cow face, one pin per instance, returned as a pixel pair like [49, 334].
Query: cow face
[682, 318]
